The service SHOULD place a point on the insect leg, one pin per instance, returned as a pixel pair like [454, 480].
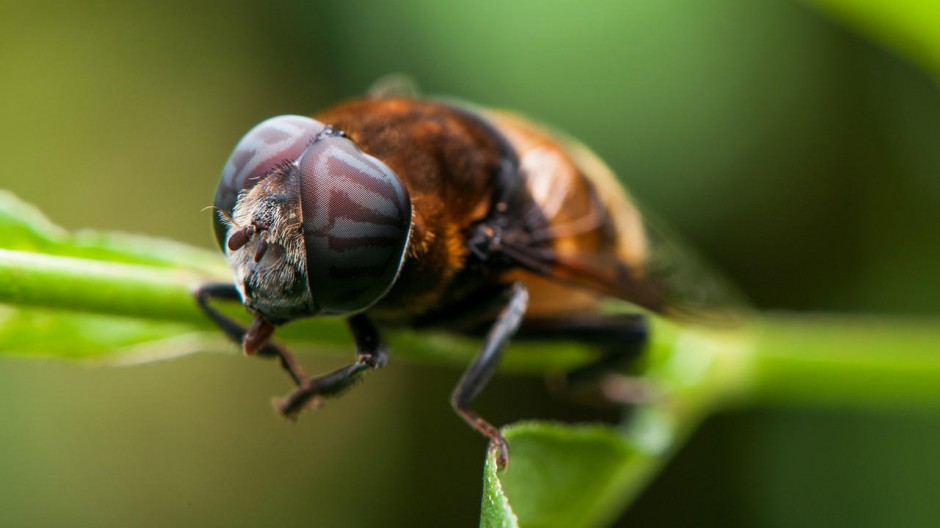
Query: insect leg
[621, 337]
[481, 370]
[371, 353]
[254, 339]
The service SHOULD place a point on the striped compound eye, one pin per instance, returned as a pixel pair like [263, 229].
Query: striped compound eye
[280, 139]
[356, 223]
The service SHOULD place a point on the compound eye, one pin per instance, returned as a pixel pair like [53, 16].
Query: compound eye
[276, 140]
[356, 222]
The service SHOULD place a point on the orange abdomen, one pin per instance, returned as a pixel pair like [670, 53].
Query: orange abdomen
[590, 218]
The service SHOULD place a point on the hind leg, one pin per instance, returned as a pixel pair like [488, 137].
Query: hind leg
[621, 339]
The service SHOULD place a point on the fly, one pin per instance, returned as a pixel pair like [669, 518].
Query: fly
[402, 212]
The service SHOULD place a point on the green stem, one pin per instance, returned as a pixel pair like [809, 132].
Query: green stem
[797, 360]
[145, 292]
[860, 361]
[39, 280]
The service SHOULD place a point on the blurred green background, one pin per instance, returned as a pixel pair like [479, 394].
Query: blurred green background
[799, 156]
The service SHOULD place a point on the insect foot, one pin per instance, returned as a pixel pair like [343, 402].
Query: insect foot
[291, 409]
[500, 446]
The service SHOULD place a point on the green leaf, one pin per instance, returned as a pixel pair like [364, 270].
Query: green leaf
[911, 27]
[52, 333]
[584, 475]
[496, 511]
[25, 229]
[560, 476]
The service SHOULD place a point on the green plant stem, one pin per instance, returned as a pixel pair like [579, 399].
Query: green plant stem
[40, 280]
[861, 361]
[786, 359]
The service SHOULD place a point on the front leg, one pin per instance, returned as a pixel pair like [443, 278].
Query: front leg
[256, 338]
[371, 353]
[481, 370]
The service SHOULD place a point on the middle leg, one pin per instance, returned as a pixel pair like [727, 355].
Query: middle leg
[484, 366]
[371, 353]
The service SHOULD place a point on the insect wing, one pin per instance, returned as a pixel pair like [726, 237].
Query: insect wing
[601, 240]
[685, 287]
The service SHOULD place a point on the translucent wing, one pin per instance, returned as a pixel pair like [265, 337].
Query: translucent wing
[393, 85]
[600, 240]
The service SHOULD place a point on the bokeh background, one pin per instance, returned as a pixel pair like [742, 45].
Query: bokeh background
[800, 156]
